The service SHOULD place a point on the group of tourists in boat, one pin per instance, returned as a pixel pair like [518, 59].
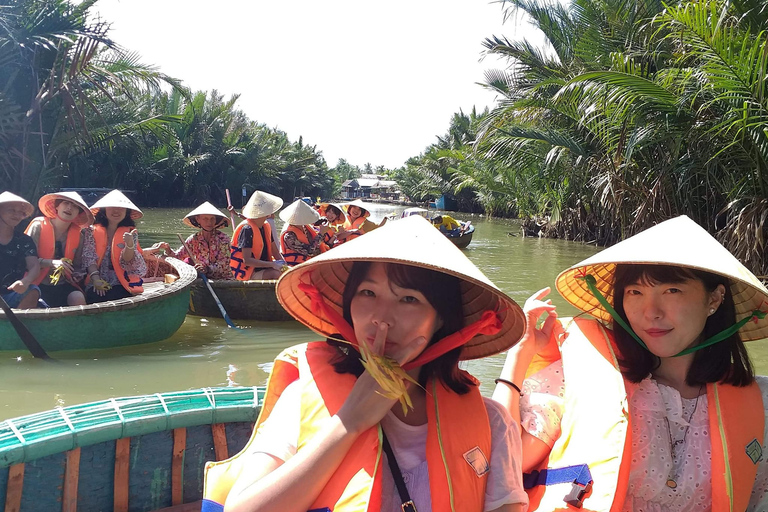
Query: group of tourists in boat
[71, 255]
[650, 405]
[75, 255]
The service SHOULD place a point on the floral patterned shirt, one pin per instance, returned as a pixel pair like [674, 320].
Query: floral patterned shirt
[137, 265]
[214, 255]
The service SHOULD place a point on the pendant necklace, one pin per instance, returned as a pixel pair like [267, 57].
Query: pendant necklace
[675, 443]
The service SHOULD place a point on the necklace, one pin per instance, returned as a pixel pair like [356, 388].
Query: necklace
[674, 443]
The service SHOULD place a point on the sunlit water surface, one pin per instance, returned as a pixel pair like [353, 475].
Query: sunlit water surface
[204, 352]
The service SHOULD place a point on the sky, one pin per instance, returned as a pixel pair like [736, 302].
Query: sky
[370, 82]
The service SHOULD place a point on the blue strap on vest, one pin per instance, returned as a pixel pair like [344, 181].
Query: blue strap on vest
[132, 284]
[579, 475]
[211, 506]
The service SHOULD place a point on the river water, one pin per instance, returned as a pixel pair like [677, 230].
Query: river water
[204, 352]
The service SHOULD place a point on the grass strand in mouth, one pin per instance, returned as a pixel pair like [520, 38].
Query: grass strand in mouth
[387, 373]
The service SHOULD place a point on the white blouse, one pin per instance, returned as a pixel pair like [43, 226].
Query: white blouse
[653, 406]
[280, 434]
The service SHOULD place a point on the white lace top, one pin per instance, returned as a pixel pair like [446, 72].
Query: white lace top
[652, 405]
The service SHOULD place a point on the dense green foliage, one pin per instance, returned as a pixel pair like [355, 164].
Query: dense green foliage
[76, 110]
[633, 113]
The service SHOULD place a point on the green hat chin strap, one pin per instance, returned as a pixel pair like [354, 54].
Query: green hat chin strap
[723, 335]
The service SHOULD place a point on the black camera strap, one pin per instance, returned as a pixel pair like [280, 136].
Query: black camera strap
[405, 498]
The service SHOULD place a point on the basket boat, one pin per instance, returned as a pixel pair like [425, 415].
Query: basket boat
[142, 453]
[243, 300]
[464, 239]
[151, 316]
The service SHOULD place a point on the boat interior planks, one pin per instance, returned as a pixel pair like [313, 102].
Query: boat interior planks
[151, 316]
[144, 453]
[243, 300]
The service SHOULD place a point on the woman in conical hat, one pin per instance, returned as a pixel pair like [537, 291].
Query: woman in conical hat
[209, 247]
[358, 221]
[58, 235]
[302, 236]
[19, 266]
[677, 309]
[331, 439]
[255, 254]
[112, 259]
[334, 215]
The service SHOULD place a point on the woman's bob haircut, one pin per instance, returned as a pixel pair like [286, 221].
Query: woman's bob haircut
[443, 292]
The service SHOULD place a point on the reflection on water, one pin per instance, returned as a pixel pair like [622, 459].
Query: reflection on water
[204, 352]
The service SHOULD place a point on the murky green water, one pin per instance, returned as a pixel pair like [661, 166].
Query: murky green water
[204, 352]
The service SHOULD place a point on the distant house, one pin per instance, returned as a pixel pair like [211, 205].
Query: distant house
[371, 185]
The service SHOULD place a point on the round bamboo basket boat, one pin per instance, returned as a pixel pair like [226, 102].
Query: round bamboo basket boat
[243, 300]
[151, 316]
[141, 453]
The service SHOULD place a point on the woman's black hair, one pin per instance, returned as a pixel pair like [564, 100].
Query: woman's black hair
[443, 292]
[334, 209]
[101, 219]
[726, 361]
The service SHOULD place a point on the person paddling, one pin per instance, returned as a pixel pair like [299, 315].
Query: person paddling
[254, 253]
[59, 237]
[333, 437]
[654, 405]
[111, 252]
[19, 265]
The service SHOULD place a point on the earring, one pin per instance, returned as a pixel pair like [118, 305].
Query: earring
[711, 311]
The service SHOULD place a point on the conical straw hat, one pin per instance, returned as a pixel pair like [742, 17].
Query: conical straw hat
[116, 199]
[678, 242]
[261, 204]
[205, 209]
[8, 197]
[412, 241]
[366, 207]
[299, 213]
[47, 205]
[323, 208]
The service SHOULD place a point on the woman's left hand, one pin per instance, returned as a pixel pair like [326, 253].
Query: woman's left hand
[203, 269]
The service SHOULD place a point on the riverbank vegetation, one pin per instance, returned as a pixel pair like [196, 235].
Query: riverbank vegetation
[77, 110]
[633, 112]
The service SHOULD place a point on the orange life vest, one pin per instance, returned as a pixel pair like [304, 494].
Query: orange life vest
[131, 282]
[46, 245]
[596, 426]
[242, 271]
[458, 433]
[294, 258]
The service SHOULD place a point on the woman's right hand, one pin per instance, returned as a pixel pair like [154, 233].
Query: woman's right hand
[366, 405]
[535, 339]
[68, 268]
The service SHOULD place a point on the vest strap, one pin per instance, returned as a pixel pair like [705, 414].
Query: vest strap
[579, 475]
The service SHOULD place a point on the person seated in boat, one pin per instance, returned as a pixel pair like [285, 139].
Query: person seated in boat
[300, 240]
[58, 235]
[19, 265]
[357, 222]
[254, 253]
[336, 434]
[334, 214]
[209, 248]
[446, 224]
[662, 404]
[111, 259]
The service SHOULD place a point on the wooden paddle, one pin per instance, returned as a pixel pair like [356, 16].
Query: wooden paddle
[229, 203]
[29, 340]
[223, 311]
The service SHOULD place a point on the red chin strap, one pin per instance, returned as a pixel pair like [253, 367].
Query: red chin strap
[490, 323]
